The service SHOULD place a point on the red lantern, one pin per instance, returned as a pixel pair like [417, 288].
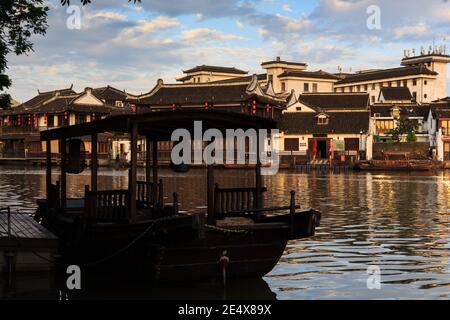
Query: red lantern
[35, 120]
[254, 108]
[133, 107]
[93, 116]
[29, 119]
[45, 119]
[7, 121]
[65, 115]
[206, 105]
[174, 107]
[18, 120]
[267, 108]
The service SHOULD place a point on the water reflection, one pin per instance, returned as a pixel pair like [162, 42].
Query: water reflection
[397, 221]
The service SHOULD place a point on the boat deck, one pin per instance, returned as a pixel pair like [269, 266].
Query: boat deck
[25, 234]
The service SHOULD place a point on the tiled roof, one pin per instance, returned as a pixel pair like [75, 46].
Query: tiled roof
[339, 122]
[198, 94]
[44, 96]
[308, 74]
[261, 77]
[215, 69]
[284, 62]
[387, 73]
[335, 100]
[396, 93]
[411, 110]
[109, 93]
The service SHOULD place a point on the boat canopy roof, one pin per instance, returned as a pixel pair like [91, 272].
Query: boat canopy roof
[160, 125]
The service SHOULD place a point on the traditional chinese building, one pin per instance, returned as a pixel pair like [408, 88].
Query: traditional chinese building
[330, 127]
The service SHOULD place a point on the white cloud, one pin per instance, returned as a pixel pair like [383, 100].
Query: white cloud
[412, 31]
[240, 25]
[287, 8]
[159, 23]
[208, 35]
[107, 15]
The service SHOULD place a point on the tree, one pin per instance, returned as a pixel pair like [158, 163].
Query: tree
[19, 20]
[405, 126]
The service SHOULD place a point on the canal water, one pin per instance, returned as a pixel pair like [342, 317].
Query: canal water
[391, 227]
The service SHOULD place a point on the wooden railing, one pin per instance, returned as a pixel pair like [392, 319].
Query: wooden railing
[110, 205]
[229, 200]
[147, 196]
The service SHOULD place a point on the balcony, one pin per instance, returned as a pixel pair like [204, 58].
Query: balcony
[445, 131]
[16, 130]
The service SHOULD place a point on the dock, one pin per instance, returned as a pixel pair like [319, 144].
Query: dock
[25, 245]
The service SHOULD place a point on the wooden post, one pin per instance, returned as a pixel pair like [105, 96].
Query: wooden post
[155, 171]
[292, 214]
[148, 171]
[258, 198]
[94, 162]
[48, 153]
[133, 170]
[63, 174]
[210, 195]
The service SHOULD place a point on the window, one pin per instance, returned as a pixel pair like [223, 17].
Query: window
[298, 108]
[390, 84]
[291, 144]
[81, 118]
[425, 96]
[50, 121]
[414, 96]
[399, 83]
[322, 120]
[314, 87]
[373, 86]
[358, 88]
[425, 82]
[384, 126]
[306, 87]
[373, 99]
[271, 78]
[366, 87]
[405, 83]
[283, 86]
[395, 112]
[415, 82]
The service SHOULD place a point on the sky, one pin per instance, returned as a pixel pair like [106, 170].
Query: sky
[130, 46]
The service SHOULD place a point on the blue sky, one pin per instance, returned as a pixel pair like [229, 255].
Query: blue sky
[130, 46]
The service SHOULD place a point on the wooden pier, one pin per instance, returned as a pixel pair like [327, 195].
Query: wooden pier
[25, 245]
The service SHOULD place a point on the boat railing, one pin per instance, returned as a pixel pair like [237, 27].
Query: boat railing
[148, 196]
[227, 200]
[107, 205]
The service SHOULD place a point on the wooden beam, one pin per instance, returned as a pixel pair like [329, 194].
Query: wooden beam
[258, 198]
[155, 168]
[94, 162]
[48, 155]
[63, 175]
[211, 219]
[148, 170]
[133, 170]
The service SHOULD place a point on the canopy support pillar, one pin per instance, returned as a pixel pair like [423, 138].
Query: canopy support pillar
[94, 162]
[133, 171]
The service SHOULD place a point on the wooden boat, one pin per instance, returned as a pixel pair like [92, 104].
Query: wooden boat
[134, 232]
[396, 165]
[396, 161]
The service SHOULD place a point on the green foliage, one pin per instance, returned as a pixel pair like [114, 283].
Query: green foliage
[404, 126]
[411, 137]
[19, 20]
